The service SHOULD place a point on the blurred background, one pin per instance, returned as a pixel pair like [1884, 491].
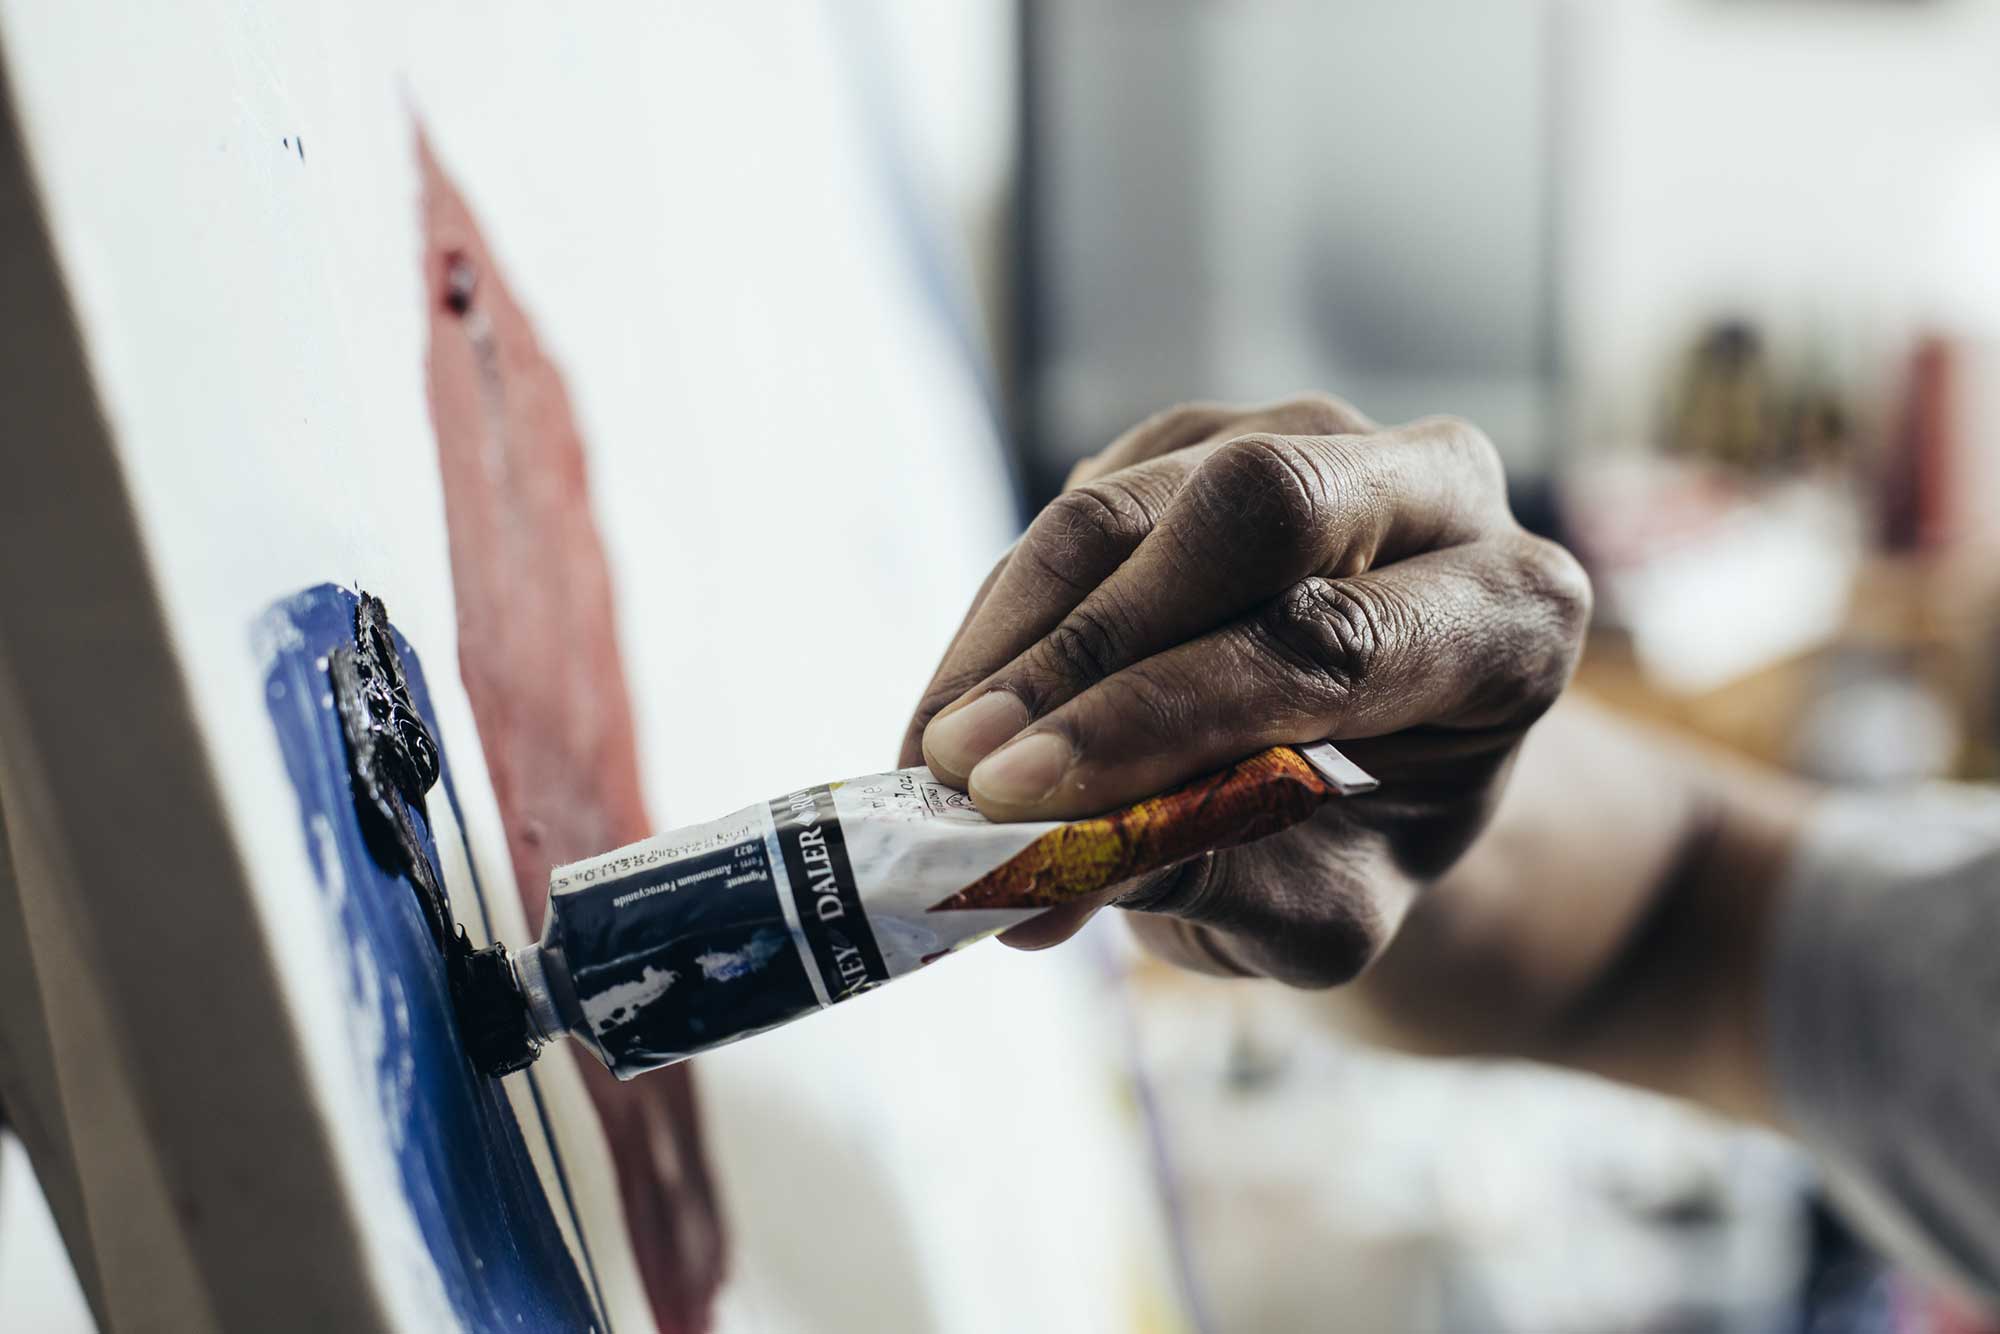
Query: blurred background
[1722, 280]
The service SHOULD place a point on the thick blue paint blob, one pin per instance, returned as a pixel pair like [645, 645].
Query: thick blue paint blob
[479, 1204]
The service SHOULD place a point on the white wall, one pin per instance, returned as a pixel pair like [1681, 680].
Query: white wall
[1246, 200]
[953, 72]
[38, 1289]
[1811, 163]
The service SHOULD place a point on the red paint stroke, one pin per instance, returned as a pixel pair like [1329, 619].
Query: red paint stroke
[538, 650]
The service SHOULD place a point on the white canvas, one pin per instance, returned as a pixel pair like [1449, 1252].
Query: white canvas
[217, 336]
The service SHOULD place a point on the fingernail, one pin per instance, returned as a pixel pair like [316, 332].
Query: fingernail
[962, 738]
[1022, 772]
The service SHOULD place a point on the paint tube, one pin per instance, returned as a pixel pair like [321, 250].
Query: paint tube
[713, 933]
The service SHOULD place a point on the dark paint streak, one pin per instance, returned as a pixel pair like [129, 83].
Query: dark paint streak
[392, 758]
[392, 762]
[539, 656]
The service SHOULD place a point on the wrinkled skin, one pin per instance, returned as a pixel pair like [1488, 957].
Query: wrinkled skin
[1221, 580]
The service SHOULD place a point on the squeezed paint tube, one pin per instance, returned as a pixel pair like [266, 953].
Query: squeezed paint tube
[719, 931]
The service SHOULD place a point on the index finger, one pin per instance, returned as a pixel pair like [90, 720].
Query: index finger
[1073, 546]
[913, 735]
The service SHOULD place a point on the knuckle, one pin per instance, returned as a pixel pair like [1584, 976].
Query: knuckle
[1548, 595]
[1268, 481]
[1102, 513]
[1326, 636]
[1084, 531]
[1557, 580]
[1475, 451]
[1326, 414]
[1085, 647]
[1173, 428]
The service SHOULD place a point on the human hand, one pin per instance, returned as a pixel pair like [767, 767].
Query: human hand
[1222, 580]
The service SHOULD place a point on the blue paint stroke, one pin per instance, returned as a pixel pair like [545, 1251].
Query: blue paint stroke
[480, 1206]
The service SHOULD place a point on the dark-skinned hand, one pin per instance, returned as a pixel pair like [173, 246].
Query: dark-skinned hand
[1221, 580]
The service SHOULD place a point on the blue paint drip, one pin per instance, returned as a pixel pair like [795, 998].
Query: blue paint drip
[548, 1138]
[478, 1201]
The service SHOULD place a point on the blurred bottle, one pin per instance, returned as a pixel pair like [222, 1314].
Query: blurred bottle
[1725, 409]
[1916, 475]
[1821, 429]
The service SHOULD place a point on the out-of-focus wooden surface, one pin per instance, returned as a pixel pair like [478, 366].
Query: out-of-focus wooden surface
[1938, 620]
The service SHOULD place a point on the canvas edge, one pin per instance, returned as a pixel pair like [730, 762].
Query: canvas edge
[107, 723]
